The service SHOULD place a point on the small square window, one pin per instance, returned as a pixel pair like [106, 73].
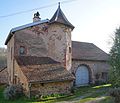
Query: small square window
[22, 50]
[104, 75]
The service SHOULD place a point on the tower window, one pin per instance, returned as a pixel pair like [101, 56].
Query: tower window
[22, 50]
[70, 50]
[11, 53]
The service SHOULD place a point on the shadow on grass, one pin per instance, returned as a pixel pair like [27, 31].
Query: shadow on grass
[86, 93]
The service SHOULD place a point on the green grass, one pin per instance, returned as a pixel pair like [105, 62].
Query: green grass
[97, 92]
[88, 93]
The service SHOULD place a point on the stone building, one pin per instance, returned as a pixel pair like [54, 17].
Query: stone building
[89, 63]
[39, 56]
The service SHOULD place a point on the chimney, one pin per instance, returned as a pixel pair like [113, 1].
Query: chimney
[36, 17]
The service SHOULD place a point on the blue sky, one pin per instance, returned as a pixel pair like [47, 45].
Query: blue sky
[95, 20]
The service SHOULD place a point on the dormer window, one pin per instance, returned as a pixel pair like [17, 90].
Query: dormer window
[22, 50]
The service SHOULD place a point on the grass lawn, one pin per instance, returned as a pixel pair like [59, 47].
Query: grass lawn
[81, 95]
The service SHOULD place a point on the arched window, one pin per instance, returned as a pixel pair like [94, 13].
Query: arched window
[22, 50]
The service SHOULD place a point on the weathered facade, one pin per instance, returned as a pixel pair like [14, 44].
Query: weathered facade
[47, 75]
[43, 59]
[47, 43]
[89, 61]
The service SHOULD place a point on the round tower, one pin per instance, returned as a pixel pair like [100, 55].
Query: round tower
[60, 30]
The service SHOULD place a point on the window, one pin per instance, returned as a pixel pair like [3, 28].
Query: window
[22, 50]
[11, 53]
[42, 84]
[70, 50]
[104, 75]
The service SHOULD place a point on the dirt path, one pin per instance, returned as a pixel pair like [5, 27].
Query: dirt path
[75, 100]
[97, 100]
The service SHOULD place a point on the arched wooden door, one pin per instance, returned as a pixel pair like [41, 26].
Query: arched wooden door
[82, 76]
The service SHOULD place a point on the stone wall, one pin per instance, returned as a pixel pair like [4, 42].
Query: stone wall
[19, 78]
[95, 68]
[46, 41]
[3, 76]
[51, 88]
[10, 59]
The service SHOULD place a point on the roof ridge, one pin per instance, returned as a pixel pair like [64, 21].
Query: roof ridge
[23, 27]
[82, 42]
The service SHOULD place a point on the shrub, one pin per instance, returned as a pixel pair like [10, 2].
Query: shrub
[115, 93]
[13, 92]
[114, 75]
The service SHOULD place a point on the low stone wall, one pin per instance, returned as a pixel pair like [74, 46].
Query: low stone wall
[51, 88]
[3, 76]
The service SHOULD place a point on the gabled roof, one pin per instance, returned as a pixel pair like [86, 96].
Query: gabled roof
[88, 51]
[43, 74]
[59, 17]
[23, 27]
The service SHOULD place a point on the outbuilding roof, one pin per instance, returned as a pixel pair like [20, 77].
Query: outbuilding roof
[52, 72]
[88, 51]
